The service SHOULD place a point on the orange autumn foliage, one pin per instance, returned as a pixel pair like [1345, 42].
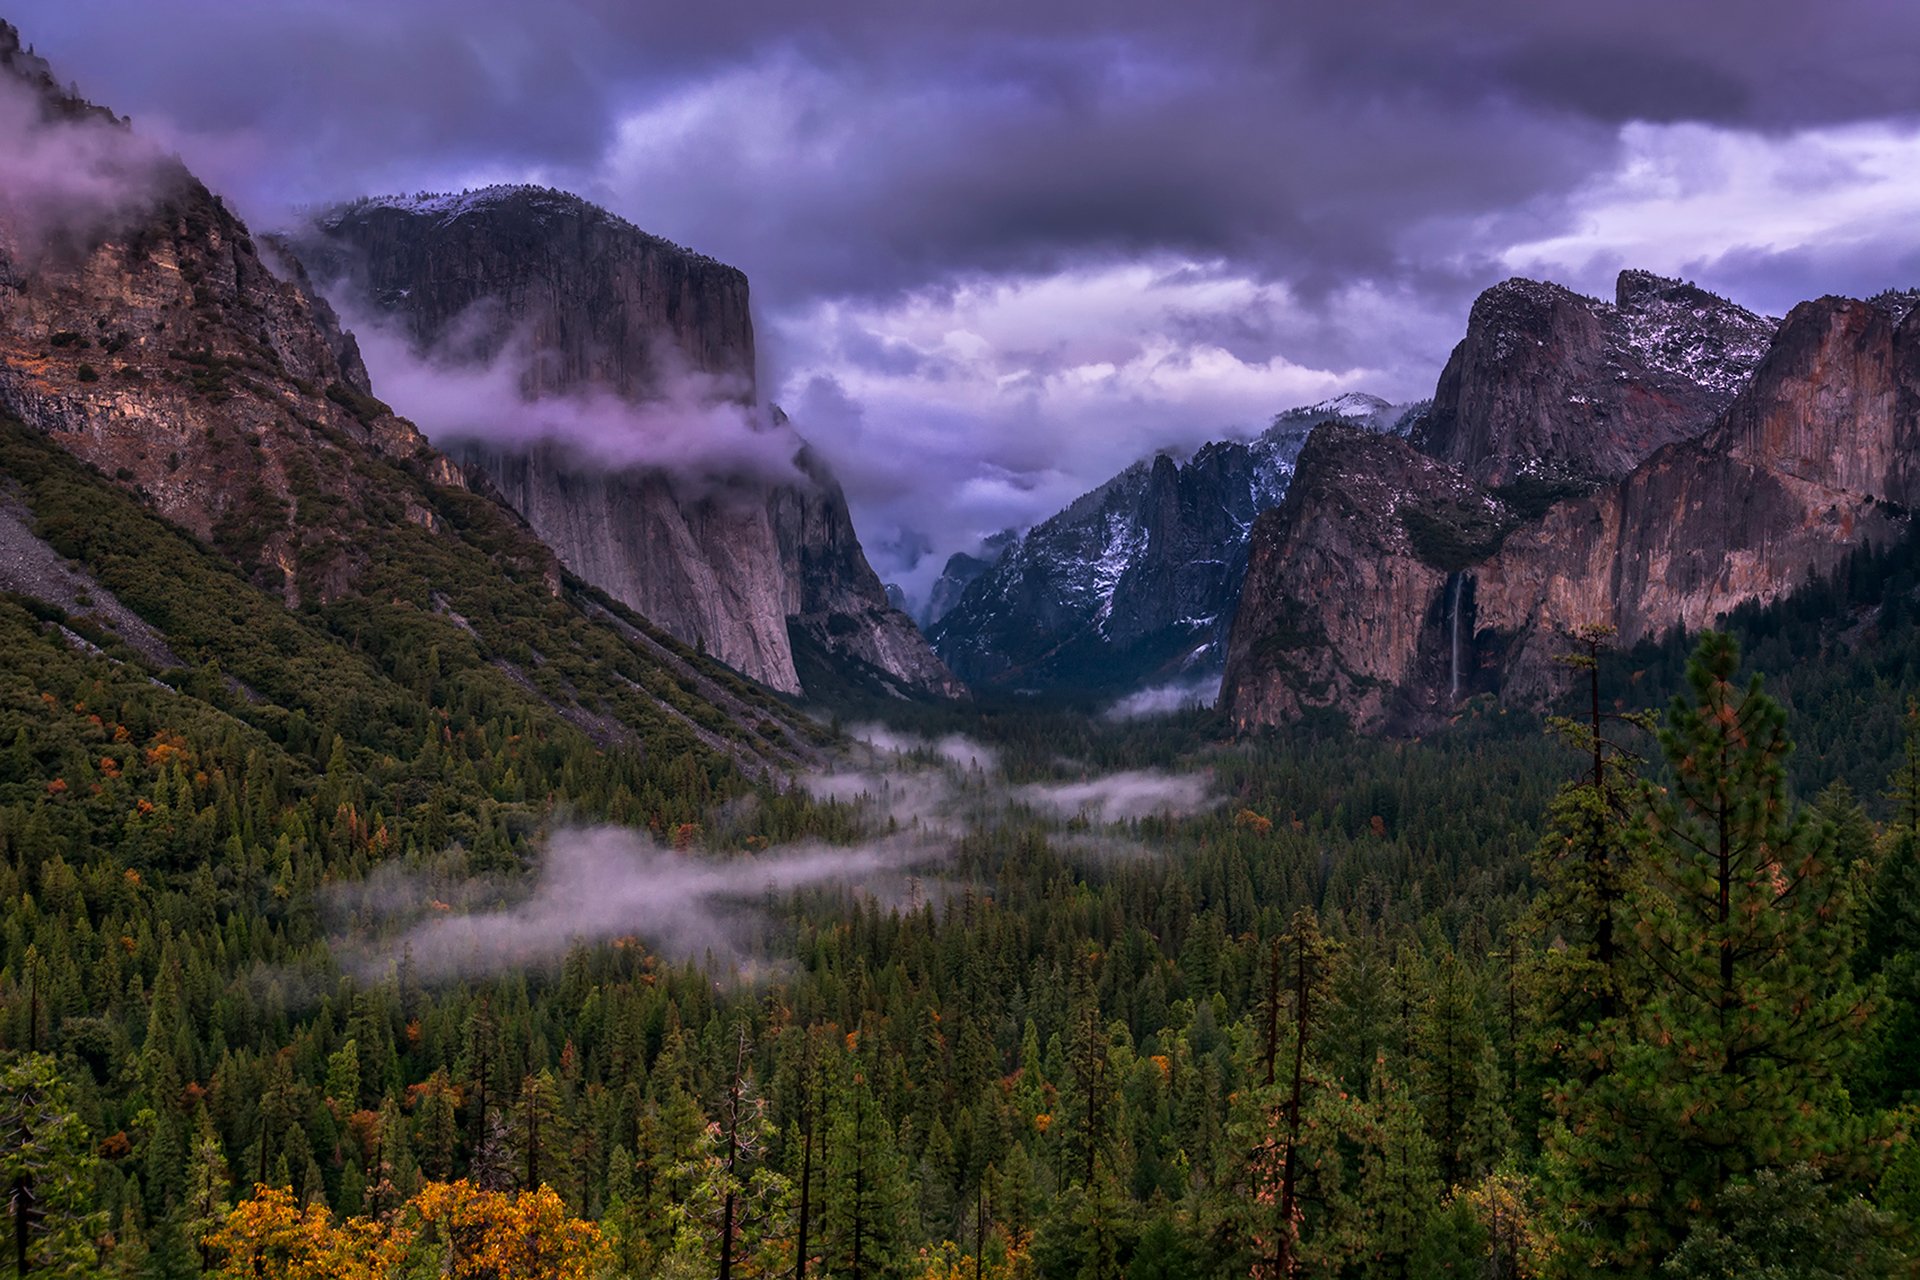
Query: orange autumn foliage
[453, 1230]
[273, 1235]
[493, 1236]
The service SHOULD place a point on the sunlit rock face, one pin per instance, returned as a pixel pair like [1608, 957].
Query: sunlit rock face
[145, 329]
[1394, 583]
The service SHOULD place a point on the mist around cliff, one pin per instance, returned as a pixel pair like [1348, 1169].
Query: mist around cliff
[917, 799]
[70, 180]
[696, 427]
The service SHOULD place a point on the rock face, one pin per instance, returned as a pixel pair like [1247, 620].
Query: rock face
[149, 335]
[1392, 584]
[1135, 581]
[1551, 386]
[589, 305]
[1345, 594]
[961, 571]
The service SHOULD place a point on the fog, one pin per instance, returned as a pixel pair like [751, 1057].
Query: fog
[917, 798]
[71, 179]
[1119, 797]
[1166, 699]
[695, 427]
[597, 884]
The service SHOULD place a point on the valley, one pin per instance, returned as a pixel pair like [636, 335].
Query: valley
[471, 805]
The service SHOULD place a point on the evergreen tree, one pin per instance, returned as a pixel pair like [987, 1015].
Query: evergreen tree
[1400, 1187]
[865, 1198]
[209, 1183]
[1282, 1200]
[1731, 1059]
[1788, 1224]
[46, 1164]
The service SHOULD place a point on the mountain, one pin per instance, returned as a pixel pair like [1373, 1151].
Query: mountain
[960, 572]
[1400, 578]
[582, 307]
[1550, 386]
[1134, 581]
[200, 484]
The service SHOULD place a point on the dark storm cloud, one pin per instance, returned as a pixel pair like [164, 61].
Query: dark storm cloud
[1302, 140]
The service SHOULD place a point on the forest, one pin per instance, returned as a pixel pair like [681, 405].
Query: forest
[1632, 990]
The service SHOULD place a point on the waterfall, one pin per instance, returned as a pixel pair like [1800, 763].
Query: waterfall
[1453, 608]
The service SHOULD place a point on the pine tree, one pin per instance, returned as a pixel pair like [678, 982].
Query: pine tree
[46, 1164]
[865, 1188]
[538, 1132]
[1891, 945]
[209, 1183]
[1451, 1040]
[1731, 1060]
[737, 1209]
[1585, 864]
[1400, 1187]
[1281, 1200]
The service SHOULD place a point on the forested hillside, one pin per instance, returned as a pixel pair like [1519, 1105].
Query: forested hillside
[1144, 1001]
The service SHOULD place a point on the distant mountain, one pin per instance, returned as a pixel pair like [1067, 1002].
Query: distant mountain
[1647, 465]
[1135, 581]
[590, 305]
[960, 572]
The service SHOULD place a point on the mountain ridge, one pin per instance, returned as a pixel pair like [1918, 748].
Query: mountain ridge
[1445, 586]
[1136, 580]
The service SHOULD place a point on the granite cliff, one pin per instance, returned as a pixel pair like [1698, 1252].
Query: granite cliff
[584, 303]
[1400, 578]
[1550, 387]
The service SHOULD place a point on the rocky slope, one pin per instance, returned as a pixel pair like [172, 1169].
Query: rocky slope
[961, 570]
[146, 333]
[1394, 583]
[1136, 580]
[584, 304]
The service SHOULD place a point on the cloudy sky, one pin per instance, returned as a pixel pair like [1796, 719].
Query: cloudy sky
[1001, 248]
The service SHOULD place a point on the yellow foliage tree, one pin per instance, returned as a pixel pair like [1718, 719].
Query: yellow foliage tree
[490, 1235]
[451, 1230]
[270, 1234]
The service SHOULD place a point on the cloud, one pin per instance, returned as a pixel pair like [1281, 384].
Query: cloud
[1165, 699]
[1120, 797]
[70, 178]
[947, 212]
[695, 426]
[1016, 395]
[955, 749]
[916, 799]
[1769, 218]
[597, 884]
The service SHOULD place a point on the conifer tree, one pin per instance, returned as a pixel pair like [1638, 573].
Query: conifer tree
[209, 1183]
[46, 1165]
[1400, 1187]
[1452, 1040]
[1281, 1196]
[1730, 1061]
[865, 1187]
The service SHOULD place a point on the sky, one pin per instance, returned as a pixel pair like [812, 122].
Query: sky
[999, 250]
